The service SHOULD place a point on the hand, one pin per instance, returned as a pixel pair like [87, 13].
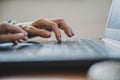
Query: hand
[43, 27]
[11, 33]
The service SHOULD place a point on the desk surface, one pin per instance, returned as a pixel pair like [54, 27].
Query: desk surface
[45, 76]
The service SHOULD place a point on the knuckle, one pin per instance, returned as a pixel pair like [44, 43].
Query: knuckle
[53, 24]
[61, 20]
[41, 19]
[3, 24]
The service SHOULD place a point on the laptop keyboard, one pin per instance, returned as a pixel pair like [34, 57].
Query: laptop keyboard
[51, 50]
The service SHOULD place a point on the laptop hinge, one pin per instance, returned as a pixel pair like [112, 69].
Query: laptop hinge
[111, 41]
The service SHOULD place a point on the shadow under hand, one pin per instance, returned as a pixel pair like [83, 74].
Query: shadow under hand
[7, 47]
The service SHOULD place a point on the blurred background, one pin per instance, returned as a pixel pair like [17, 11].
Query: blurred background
[87, 18]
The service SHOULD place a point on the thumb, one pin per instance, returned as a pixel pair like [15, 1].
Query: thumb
[11, 37]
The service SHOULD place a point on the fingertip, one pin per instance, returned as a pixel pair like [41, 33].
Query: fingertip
[15, 42]
[44, 34]
[69, 34]
[47, 34]
[25, 33]
[25, 38]
[20, 35]
[59, 38]
[72, 33]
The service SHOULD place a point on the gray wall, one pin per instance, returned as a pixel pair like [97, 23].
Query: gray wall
[86, 17]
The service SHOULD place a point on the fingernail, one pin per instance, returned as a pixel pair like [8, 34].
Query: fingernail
[73, 34]
[25, 33]
[60, 35]
[15, 42]
[20, 34]
[26, 38]
[60, 39]
[70, 34]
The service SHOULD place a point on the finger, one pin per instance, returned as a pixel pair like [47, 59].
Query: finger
[49, 24]
[62, 24]
[15, 42]
[33, 31]
[8, 28]
[25, 38]
[11, 37]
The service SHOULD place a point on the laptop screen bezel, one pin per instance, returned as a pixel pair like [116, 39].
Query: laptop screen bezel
[111, 33]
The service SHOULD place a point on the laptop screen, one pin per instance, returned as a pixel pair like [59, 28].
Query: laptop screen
[113, 25]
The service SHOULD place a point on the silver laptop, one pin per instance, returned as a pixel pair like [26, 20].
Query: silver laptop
[72, 52]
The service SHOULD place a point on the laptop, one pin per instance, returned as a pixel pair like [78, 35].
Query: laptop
[70, 54]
